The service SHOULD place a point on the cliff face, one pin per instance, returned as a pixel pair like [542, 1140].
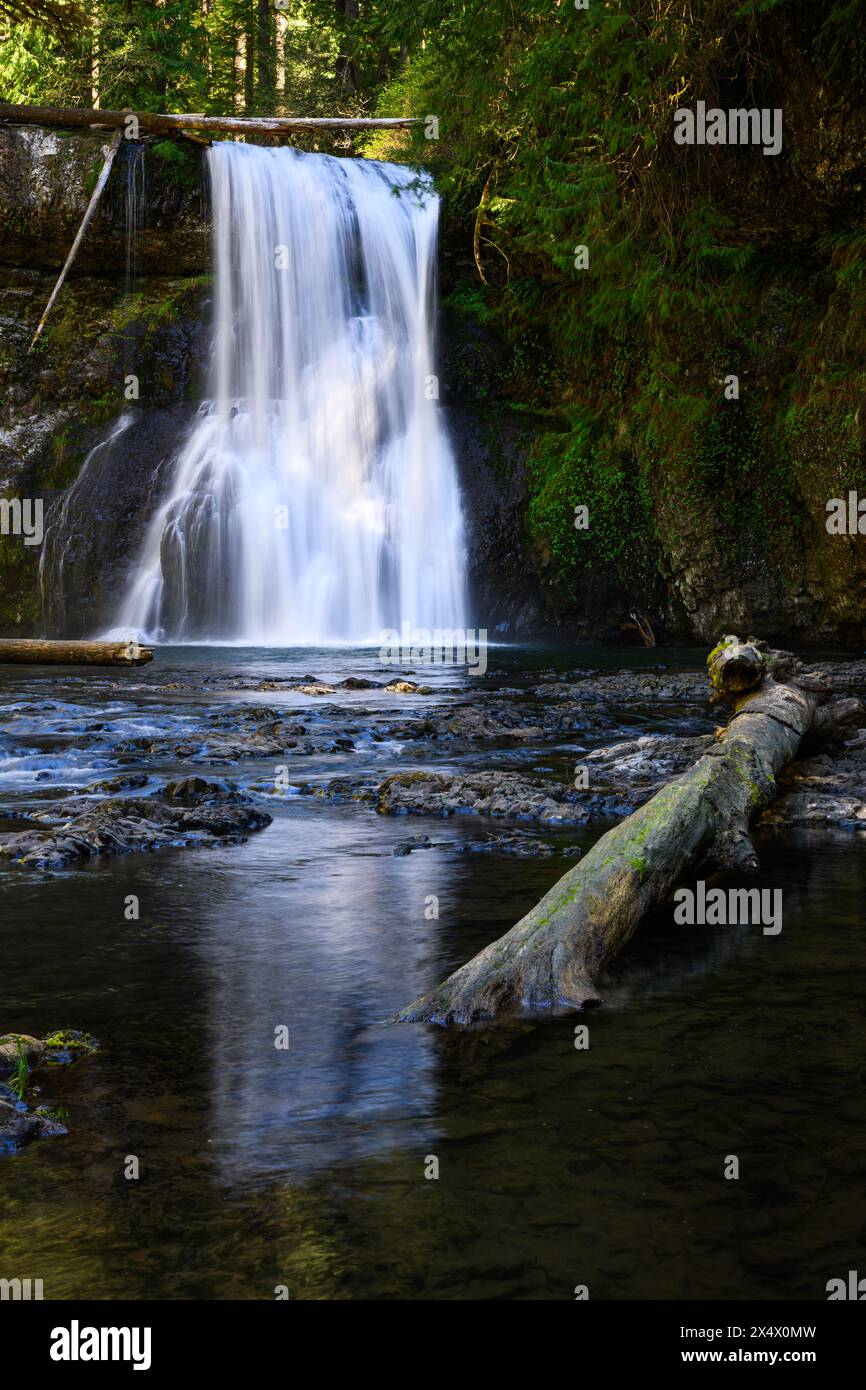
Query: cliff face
[707, 523]
[67, 397]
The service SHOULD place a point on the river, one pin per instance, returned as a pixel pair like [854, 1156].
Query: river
[304, 1167]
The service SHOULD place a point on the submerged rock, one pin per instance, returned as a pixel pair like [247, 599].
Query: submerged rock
[18, 1053]
[417, 842]
[19, 1126]
[524, 846]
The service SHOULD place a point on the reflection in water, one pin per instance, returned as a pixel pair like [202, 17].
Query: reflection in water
[306, 1167]
[324, 952]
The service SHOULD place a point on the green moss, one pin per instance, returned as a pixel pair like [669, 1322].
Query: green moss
[70, 1040]
[586, 467]
[182, 166]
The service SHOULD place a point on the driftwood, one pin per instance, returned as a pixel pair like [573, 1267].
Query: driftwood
[553, 957]
[154, 123]
[85, 222]
[640, 623]
[34, 652]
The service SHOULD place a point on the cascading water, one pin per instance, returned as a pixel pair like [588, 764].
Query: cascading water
[316, 498]
[136, 199]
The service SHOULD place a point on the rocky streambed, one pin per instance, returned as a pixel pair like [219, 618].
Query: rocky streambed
[204, 755]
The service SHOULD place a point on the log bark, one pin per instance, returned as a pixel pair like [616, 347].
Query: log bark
[154, 123]
[734, 667]
[554, 956]
[34, 652]
[85, 223]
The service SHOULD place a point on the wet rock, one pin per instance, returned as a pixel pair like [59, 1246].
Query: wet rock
[478, 793]
[14, 1045]
[18, 1123]
[417, 842]
[226, 737]
[124, 826]
[196, 790]
[646, 762]
[823, 792]
[407, 688]
[342, 789]
[631, 686]
[506, 794]
[524, 846]
[358, 683]
[19, 1126]
[131, 781]
[486, 721]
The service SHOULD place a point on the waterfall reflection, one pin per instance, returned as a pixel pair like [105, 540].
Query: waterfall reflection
[338, 938]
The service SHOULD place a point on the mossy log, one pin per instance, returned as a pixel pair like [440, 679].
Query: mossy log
[734, 667]
[34, 652]
[554, 955]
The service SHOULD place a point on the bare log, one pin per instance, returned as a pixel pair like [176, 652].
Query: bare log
[154, 123]
[85, 222]
[34, 652]
[554, 955]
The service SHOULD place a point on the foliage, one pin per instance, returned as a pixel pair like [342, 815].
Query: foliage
[555, 131]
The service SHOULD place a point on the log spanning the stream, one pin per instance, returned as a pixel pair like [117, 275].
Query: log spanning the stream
[34, 652]
[136, 123]
[554, 956]
[154, 123]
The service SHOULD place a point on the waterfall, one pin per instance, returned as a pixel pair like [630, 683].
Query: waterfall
[136, 201]
[316, 498]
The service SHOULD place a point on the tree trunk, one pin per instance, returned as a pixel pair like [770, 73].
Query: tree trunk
[553, 957]
[265, 57]
[347, 71]
[237, 71]
[153, 123]
[38, 653]
[249, 68]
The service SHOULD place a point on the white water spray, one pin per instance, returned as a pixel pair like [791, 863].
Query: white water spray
[316, 498]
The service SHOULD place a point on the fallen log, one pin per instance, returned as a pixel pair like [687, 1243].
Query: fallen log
[34, 652]
[156, 123]
[553, 957]
[85, 222]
